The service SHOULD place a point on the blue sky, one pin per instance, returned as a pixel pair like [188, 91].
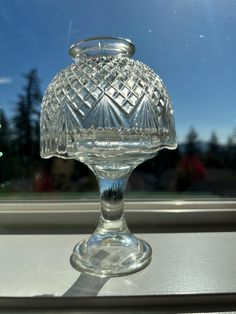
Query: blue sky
[191, 44]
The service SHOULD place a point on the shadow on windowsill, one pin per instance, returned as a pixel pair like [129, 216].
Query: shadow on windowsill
[86, 285]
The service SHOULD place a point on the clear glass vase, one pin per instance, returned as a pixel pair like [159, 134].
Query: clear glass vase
[112, 113]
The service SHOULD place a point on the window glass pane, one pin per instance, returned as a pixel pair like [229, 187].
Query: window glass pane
[190, 44]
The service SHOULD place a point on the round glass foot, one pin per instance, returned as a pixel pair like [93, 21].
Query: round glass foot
[111, 254]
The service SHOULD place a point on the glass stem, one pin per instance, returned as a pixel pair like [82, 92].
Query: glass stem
[112, 204]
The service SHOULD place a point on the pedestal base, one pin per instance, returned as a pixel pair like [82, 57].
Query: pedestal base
[111, 254]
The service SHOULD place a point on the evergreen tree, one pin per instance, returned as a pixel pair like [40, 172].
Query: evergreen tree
[4, 134]
[5, 146]
[213, 146]
[26, 120]
[234, 136]
[231, 150]
[215, 155]
[192, 142]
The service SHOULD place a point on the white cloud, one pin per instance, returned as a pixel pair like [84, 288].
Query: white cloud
[201, 36]
[5, 80]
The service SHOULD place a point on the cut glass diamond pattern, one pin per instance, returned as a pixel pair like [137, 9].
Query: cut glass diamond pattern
[123, 80]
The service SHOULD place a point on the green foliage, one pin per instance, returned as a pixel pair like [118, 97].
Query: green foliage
[4, 133]
[231, 150]
[5, 146]
[215, 153]
[213, 146]
[192, 142]
[26, 122]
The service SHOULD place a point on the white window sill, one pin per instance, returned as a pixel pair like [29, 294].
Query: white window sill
[193, 264]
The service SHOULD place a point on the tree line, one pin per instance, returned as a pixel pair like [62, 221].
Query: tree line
[19, 136]
[19, 140]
